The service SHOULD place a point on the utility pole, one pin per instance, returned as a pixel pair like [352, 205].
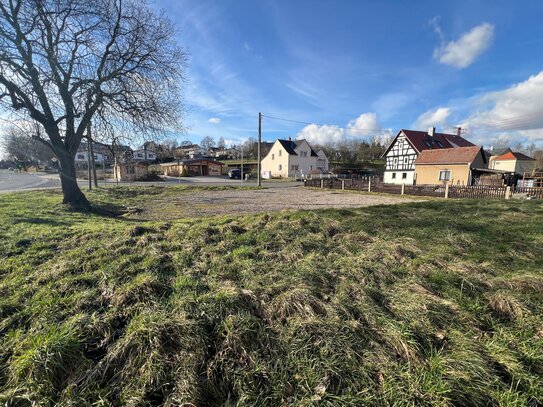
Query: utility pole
[259, 182]
[91, 151]
[241, 173]
[89, 171]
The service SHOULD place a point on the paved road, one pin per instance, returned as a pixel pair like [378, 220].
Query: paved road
[13, 182]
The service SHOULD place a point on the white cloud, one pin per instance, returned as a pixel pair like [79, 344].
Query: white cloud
[214, 120]
[247, 47]
[321, 134]
[363, 125]
[462, 52]
[433, 118]
[518, 108]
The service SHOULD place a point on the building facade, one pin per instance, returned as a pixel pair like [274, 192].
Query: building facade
[402, 152]
[289, 158]
[456, 166]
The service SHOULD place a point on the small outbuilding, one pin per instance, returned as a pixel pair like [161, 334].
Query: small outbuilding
[194, 167]
[130, 171]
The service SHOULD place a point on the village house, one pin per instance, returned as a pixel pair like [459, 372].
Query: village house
[191, 151]
[194, 167]
[144, 155]
[226, 153]
[512, 162]
[82, 156]
[288, 158]
[402, 152]
[459, 165]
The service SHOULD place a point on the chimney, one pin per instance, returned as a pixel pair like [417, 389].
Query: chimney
[431, 131]
[459, 131]
[289, 139]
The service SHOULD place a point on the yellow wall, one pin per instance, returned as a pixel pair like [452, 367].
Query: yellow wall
[429, 173]
[276, 158]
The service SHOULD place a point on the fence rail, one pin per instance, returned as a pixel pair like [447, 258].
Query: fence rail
[451, 191]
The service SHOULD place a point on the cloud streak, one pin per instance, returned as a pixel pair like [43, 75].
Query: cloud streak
[464, 51]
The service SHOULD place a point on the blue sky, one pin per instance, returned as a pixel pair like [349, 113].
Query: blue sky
[362, 68]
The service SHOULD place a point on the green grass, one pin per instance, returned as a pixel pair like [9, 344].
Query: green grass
[428, 303]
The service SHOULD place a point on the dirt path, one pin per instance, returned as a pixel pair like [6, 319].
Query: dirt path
[209, 203]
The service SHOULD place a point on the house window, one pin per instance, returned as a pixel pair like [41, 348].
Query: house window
[404, 175]
[80, 157]
[280, 167]
[292, 167]
[393, 175]
[280, 151]
[406, 160]
[140, 155]
[273, 156]
[444, 175]
[395, 161]
[296, 167]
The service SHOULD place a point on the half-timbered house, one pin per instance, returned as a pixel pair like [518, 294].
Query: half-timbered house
[401, 154]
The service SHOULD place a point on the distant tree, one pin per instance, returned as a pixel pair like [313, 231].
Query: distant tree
[538, 156]
[207, 142]
[250, 148]
[22, 148]
[186, 143]
[221, 143]
[65, 63]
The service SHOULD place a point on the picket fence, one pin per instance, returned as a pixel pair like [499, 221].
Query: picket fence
[443, 191]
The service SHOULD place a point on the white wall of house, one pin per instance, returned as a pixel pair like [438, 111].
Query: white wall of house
[143, 155]
[397, 177]
[83, 156]
[303, 162]
[400, 160]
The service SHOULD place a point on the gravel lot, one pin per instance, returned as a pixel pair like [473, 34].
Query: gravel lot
[208, 203]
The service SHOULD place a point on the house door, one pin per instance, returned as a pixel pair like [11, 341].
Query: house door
[205, 170]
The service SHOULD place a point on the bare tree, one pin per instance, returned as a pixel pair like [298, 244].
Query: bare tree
[207, 142]
[65, 63]
[21, 148]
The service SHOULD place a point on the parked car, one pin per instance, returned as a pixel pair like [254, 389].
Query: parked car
[234, 173]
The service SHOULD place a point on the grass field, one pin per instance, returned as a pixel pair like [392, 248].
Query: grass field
[427, 303]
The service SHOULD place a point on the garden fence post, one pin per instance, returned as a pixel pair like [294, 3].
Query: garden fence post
[342, 184]
[446, 190]
[369, 185]
[508, 192]
[403, 188]
[322, 183]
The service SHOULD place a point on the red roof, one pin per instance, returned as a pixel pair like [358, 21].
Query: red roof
[514, 156]
[458, 155]
[421, 140]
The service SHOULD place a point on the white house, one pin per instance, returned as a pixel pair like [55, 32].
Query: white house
[83, 156]
[289, 158]
[143, 155]
[402, 152]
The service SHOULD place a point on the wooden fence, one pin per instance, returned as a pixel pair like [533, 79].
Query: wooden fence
[451, 191]
[477, 191]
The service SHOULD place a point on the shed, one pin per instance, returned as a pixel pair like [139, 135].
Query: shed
[130, 171]
[194, 167]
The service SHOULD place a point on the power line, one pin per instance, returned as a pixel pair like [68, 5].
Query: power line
[322, 125]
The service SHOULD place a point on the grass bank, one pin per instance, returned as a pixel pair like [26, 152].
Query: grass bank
[428, 303]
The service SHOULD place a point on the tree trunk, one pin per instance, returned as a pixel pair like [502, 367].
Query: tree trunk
[72, 194]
